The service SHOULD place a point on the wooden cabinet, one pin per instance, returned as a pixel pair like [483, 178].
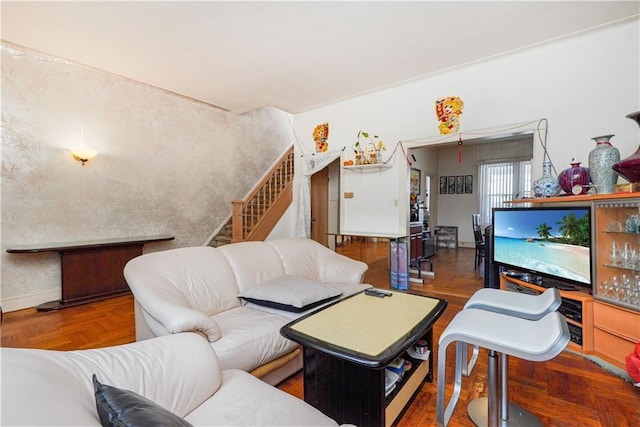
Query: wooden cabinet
[577, 307]
[616, 282]
[616, 332]
[415, 243]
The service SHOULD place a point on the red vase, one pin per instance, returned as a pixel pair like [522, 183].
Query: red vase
[574, 180]
[629, 168]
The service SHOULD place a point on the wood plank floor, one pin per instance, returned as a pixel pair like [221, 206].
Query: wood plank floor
[566, 391]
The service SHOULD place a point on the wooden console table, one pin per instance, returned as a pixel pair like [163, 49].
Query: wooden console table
[91, 270]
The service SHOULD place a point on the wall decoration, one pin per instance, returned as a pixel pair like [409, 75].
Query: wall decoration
[414, 183]
[451, 185]
[459, 184]
[448, 112]
[320, 136]
[468, 184]
[443, 185]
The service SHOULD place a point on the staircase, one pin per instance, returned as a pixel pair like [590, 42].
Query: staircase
[254, 217]
[223, 237]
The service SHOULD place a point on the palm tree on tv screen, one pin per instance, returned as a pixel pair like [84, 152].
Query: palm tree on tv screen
[543, 230]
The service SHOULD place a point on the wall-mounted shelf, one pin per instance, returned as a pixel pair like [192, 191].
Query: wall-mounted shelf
[377, 166]
[572, 199]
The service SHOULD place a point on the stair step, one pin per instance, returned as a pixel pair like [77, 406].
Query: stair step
[221, 240]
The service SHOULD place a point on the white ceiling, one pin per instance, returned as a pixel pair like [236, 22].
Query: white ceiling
[291, 55]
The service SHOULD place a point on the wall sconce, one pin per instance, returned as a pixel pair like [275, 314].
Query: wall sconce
[83, 155]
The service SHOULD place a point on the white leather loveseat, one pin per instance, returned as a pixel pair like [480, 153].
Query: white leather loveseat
[197, 289]
[178, 373]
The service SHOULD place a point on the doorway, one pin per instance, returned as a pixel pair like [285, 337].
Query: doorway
[325, 188]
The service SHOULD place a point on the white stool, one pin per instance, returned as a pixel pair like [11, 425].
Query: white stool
[525, 306]
[535, 340]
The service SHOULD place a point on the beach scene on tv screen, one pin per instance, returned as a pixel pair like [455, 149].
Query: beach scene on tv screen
[555, 242]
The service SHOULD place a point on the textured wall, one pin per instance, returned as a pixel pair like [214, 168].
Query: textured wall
[165, 164]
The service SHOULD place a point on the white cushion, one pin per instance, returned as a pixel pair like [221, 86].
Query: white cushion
[250, 338]
[244, 400]
[290, 293]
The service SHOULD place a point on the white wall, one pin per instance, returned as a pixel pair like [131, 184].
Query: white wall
[584, 85]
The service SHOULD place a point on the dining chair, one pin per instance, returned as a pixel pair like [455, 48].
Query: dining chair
[479, 240]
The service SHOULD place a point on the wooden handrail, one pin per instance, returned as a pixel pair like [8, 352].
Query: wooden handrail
[254, 217]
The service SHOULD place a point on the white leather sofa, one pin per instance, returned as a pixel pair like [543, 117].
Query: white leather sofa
[179, 373]
[197, 289]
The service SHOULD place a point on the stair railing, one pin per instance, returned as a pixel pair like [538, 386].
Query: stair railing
[256, 215]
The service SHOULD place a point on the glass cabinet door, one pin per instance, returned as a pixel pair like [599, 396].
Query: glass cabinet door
[616, 259]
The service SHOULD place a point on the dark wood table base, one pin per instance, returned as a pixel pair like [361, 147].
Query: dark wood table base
[91, 270]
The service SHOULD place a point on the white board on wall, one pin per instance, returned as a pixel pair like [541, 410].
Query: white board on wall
[374, 199]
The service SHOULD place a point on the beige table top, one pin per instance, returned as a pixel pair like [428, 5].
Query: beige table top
[366, 324]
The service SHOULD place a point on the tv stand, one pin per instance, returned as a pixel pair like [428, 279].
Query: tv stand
[576, 307]
[549, 283]
[540, 281]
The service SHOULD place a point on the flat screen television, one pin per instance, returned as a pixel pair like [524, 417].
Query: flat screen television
[550, 242]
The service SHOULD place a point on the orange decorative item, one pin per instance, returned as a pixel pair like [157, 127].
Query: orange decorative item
[320, 136]
[448, 111]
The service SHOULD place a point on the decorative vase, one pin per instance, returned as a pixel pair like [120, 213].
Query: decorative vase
[358, 157]
[547, 185]
[574, 180]
[601, 160]
[631, 224]
[629, 168]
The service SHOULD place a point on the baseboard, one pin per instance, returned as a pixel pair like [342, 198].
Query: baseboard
[29, 301]
[604, 365]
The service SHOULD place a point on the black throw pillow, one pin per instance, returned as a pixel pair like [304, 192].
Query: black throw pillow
[124, 408]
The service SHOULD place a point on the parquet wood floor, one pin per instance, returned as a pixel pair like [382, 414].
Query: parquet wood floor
[566, 391]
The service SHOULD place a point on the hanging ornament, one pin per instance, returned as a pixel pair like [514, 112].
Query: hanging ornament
[460, 148]
[320, 136]
[448, 112]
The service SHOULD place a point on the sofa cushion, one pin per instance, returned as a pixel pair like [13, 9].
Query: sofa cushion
[290, 293]
[250, 338]
[117, 407]
[244, 400]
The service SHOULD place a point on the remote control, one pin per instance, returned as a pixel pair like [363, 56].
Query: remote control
[377, 293]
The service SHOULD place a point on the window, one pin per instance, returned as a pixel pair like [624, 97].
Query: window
[500, 182]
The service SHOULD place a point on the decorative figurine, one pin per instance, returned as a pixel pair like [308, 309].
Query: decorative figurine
[448, 111]
[320, 136]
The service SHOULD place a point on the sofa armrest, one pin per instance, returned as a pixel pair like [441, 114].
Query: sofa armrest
[176, 319]
[172, 289]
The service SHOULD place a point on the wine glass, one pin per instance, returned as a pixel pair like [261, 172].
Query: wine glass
[614, 253]
[626, 255]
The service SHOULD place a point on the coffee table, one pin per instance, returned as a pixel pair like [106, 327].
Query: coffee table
[348, 345]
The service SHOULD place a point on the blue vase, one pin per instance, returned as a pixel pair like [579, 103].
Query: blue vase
[547, 185]
[601, 161]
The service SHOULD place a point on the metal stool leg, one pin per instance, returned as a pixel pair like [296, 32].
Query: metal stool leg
[468, 367]
[483, 410]
[443, 415]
